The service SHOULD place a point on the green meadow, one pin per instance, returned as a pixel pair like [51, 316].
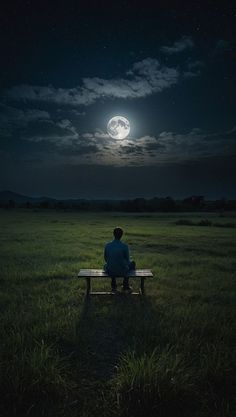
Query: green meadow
[170, 353]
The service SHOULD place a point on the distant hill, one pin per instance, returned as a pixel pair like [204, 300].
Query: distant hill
[7, 195]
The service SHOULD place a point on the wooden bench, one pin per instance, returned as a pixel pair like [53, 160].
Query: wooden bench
[99, 273]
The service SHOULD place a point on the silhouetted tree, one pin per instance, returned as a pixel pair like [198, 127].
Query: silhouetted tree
[167, 204]
[44, 205]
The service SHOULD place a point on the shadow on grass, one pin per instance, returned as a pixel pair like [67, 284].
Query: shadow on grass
[109, 326]
[125, 351]
[130, 365]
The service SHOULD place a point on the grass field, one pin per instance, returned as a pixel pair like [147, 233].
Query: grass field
[171, 353]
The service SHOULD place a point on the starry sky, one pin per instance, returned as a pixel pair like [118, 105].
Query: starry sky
[67, 67]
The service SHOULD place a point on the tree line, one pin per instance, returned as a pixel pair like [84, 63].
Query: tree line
[156, 204]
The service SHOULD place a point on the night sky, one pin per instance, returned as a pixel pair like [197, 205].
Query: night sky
[68, 67]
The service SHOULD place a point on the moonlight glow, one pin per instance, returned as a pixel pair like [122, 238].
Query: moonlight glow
[118, 127]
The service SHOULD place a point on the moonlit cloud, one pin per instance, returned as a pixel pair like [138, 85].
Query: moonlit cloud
[178, 46]
[167, 147]
[143, 79]
[172, 147]
[70, 96]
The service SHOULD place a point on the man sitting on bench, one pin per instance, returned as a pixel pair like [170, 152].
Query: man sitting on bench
[118, 264]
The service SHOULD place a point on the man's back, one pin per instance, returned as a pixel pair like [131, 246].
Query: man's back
[116, 255]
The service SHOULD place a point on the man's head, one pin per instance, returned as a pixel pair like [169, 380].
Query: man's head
[117, 232]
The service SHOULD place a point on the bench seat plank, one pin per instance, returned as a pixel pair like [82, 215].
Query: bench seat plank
[99, 273]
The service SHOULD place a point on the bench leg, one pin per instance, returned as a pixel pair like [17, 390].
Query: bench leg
[142, 285]
[88, 280]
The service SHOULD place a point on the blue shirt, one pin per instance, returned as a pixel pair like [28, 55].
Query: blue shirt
[116, 255]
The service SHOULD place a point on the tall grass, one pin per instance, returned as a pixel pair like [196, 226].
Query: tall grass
[169, 354]
[32, 377]
[157, 384]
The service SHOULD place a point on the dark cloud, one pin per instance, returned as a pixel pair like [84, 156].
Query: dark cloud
[197, 144]
[193, 69]
[131, 150]
[222, 45]
[60, 133]
[13, 118]
[36, 126]
[178, 46]
[78, 149]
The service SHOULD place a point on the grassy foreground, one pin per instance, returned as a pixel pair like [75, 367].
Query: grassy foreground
[171, 353]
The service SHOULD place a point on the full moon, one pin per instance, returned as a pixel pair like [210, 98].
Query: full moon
[118, 127]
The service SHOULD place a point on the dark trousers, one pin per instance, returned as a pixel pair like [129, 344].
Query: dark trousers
[125, 279]
[114, 284]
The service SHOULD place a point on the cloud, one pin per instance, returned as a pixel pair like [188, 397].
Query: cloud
[35, 125]
[173, 147]
[61, 133]
[196, 144]
[16, 115]
[62, 138]
[167, 147]
[64, 142]
[12, 118]
[143, 79]
[78, 113]
[222, 45]
[46, 138]
[222, 49]
[178, 46]
[72, 96]
[193, 69]
[59, 141]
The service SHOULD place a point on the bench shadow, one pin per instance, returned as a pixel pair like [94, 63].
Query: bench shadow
[109, 326]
